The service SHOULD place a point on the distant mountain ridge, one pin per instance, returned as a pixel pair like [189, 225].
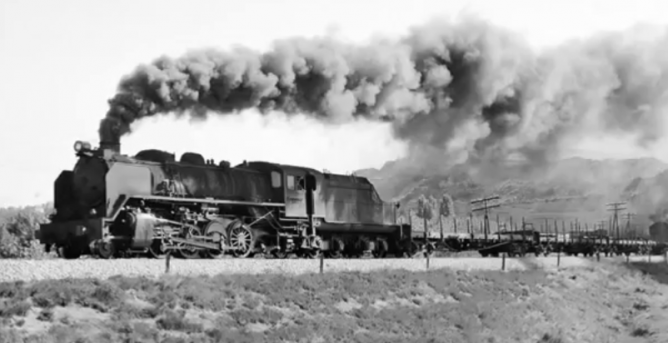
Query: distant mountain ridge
[593, 182]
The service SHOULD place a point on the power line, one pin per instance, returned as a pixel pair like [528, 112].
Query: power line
[485, 207]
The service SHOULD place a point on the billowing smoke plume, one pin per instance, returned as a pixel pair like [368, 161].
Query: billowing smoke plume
[464, 85]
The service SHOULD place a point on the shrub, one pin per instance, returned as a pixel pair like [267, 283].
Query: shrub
[17, 232]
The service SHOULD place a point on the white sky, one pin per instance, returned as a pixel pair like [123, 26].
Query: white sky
[61, 60]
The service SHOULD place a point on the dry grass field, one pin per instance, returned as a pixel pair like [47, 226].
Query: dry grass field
[607, 302]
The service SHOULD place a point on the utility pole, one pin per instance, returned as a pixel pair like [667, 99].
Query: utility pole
[486, 206]
[627, 230]
[601, 225]
[545, 227]
[615, 207]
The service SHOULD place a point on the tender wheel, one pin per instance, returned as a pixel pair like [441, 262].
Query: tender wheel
[314, 248]
[337, 249]
[309, 254]
[242, 240]
[186, 251]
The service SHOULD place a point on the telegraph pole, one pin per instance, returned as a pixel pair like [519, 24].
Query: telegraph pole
[545, 227]
[486, 206]
[628, 216]
[616, 207]
[601, 225]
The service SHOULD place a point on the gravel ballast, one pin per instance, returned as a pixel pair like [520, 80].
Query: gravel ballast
[27, 270]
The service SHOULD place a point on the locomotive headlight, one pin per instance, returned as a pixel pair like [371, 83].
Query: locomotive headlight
[81, 146]
[78, 146]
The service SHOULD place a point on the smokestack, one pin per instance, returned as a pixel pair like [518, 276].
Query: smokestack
[111, 146]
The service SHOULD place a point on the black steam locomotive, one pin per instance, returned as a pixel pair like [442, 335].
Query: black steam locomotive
[113, 205]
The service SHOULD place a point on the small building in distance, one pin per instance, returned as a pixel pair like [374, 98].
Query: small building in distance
[659, 232]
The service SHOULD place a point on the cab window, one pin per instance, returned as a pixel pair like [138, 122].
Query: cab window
[290, 184]
[275, 179]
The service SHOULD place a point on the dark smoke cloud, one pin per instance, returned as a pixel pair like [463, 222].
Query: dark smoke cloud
[443, 81]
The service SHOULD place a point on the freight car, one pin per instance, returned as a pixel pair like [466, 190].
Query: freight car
[113, 205]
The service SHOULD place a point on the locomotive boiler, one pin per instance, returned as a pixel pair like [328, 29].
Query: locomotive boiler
[112, 205]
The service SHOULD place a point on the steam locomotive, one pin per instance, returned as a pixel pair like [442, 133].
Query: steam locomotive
[113, 205]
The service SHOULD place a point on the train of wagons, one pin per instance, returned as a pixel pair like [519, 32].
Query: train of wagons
[113, 205]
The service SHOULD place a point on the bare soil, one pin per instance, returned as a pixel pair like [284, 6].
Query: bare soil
[607, 302]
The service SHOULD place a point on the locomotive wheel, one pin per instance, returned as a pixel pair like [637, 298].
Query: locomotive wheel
[215, 230]
[70, 252]
[280, 254]
[189, 252]
[211, 253]
[105, 249]
[155, 250]
[242, 240]
[280, 251]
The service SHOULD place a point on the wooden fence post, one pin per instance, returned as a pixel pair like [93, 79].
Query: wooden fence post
[167, 261]
[322, 262]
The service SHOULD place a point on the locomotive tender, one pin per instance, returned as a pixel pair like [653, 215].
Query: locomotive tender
[112, 205]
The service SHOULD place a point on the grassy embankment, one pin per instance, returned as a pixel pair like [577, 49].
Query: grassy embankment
[604, 304]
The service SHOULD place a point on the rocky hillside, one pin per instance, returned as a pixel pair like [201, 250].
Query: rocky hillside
[575, 186]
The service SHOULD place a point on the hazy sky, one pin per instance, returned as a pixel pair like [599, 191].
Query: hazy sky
[61, 60]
